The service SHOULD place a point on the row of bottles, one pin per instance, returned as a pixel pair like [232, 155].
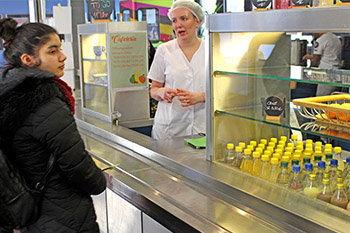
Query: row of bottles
[287, 4]
[304, 167]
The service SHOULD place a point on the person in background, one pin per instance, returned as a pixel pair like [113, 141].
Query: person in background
[178, 75]
[326, 55]
[36, 121]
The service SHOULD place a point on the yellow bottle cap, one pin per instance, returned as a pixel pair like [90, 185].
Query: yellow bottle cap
[312, 176]
[276, 155]
[267, 152]
[256, 154]
[290, 144]
[260, 150]
[279, 151]
[261, 145]
[337, 149]
[285, 158]
[283, 138]
[280, 147]
[318, 148]
[300, 143]
[250, 147]
[294, 137]
[307, 155]
[328, 146]
[263, 141]
[326, 175]
[309, 147]
[296, 157]
[300, 147]
[274, 140]
[309, 141]
[282, 143]
[297, 152]
[253, 143]
[271, 144]
[230, 146]
[328, 151]
[274, 160]
[290, 150]
[288, 154]
[242, 144]
[318, 143]
[325, 181]
[340, 179]
[239, 149]
[265, 158]
[340, 186]
[270, 148]
[247, 152]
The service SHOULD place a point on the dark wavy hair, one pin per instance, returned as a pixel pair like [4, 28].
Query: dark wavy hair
[27, 38]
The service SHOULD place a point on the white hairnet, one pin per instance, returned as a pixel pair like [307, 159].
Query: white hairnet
[192, 6]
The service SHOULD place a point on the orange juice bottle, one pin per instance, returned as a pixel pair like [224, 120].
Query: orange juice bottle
[246, 161]
[264, 169]
[255, 163]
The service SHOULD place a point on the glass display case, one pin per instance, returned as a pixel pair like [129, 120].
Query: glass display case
[113, 70]
[253, 79]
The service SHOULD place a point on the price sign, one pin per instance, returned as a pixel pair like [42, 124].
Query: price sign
[100, 9]
[261, 3]
[301, 2]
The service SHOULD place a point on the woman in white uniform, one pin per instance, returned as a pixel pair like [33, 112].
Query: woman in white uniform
[178, 76]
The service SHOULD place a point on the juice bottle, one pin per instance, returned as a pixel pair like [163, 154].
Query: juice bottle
[256, 163]
[280, 147]
[311, 189]
[290, 144]
[318, 143]
[277, 156]
[237, 160]
[326, 191]
[268, 153]
[294, 162]
[295, 181]
[309, 148]
[297, 157]
[317, 158]
[294, 139]
[307, 171]
[332, 171]
[289, 150]
[229, 153]
[347, 185]
[321, 167]
[283, 176]
[270, 148]
[258, 149]
[264, 170]
[337, 155]
[274, 170]
[250, 147]
[329, 157]
[328, 147]
[346, 168]
[247, 160]
[305, 161]
[339, 197]
[327, 151]
[300, 145]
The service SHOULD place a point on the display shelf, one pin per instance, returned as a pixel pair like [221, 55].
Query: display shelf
[94, 59]
[312, 128]
[296, 73]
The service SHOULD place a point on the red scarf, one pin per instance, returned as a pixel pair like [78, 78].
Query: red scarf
[67, 93]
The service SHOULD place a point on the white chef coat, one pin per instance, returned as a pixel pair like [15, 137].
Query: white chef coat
[171, 67]
[328, 46]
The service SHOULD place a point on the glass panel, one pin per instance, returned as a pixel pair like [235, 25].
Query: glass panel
[95, 74]
[257, 71]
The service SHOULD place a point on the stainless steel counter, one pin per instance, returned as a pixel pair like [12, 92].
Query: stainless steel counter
[210, 197]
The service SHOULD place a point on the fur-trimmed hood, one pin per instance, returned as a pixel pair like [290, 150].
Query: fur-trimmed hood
[22, 90]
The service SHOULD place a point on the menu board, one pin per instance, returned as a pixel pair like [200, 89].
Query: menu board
[100, 9]
[128, 55]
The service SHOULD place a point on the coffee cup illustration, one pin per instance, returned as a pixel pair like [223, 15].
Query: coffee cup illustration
[98, 50]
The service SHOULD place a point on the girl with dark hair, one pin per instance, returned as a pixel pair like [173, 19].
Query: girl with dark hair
[36, 121]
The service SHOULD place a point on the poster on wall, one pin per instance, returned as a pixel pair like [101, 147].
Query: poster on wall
[128, 56]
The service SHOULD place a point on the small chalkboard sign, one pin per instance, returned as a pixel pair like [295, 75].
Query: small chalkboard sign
[100, 9]
[301, 2]
[273, 106]
[261, 3]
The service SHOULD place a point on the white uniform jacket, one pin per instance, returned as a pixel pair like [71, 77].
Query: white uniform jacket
[171, 67]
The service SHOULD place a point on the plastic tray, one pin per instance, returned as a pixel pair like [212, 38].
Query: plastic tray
[322, 109]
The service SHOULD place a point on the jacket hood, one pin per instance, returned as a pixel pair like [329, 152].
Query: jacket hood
[10, 76]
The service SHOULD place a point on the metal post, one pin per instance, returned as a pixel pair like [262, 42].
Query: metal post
[37, 10]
